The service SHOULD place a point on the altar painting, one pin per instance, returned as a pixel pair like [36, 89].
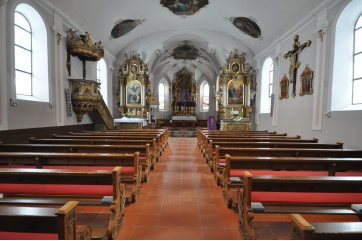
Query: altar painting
[184, 7]
[235, 94]
[134, 93]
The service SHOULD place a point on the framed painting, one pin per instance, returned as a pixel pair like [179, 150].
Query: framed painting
[133, 69]
[153, 100]
[306, 82]
[134, 93]
[284, 88]
[235, 68]
[235, 93]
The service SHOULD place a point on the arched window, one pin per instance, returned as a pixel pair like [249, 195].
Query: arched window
[346, 87]
[205, 97]
[266, 85]
[23, 55]
[271, 73]
[31, 65]
[98, 73]
[357, 65]
[161, 96]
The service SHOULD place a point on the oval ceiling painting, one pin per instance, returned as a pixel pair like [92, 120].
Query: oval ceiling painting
[247, 26]
[185, 52]
[184, 7]
[123, 27]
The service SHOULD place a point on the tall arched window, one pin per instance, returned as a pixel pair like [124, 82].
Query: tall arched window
[161, 96]
[271, 73]
[98, 73]
[205, 97]
[357, 65]
[23, 55]
[31, 65]
[266, 85]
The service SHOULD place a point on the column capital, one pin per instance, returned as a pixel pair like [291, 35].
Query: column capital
[3, 2]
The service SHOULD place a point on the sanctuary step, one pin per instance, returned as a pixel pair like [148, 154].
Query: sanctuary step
[183, 132]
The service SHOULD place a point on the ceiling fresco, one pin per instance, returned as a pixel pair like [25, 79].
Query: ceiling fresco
[123, 28]
[184, 7]
[247, 26]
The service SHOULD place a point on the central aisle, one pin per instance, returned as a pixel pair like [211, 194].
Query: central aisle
[180, 200]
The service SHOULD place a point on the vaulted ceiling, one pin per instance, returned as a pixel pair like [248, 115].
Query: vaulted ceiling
[161, 30]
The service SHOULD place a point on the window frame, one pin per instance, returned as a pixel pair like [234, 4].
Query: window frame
[354, 60]
[206, 95]
[29, 50]
[271, 83]
[161, 100]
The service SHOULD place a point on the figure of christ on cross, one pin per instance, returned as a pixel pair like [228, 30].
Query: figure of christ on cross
[293, 57]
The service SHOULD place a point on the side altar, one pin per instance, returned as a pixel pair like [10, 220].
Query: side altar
[233, 95]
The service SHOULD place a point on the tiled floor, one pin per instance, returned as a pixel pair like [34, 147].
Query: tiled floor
[182, 201]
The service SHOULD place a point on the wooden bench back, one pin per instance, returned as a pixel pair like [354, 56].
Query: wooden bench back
[77, 177]
[61, 221]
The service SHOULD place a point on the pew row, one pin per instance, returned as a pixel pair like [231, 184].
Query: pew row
[154, 155]
[131, 173]
[303, 230]
[235, 165]
[296, 194]
[60, 221]
[61, 185]
[144, 153]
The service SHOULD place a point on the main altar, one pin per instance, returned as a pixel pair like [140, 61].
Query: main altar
[233, 95]
[183, 91]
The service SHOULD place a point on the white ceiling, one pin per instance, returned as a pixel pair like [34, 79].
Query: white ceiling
[98, 17]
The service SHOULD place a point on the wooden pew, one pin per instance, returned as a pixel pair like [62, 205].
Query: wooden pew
[206, 140]
[294, 184]
[210, 153]
[144, 156]
[160, 137]
[131, 173]
[154, 154]
[159, 145]
[56, 177]
[238, 164]
[301, 229]
[276, 144]
[61, 221]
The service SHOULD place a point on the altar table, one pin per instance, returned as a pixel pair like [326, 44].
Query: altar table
[183, 121]
[130, 123]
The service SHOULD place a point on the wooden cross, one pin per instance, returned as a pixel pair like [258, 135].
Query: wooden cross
[293, 57]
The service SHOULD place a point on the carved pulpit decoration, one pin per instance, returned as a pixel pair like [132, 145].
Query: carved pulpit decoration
[294, 64]
[183, 92]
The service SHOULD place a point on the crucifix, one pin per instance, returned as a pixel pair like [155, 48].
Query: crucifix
[293, 57]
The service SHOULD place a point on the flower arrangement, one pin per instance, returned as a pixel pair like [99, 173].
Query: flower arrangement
[237, 117]
[128, 115]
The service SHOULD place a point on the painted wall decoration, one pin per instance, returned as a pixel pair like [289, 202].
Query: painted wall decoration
[184, 7]
[134, 93]
[235, 92]
[185, 52]
[247, 26]
[306, 82]
[123, 27]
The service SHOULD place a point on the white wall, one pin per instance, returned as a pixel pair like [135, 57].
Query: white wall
[295, 114]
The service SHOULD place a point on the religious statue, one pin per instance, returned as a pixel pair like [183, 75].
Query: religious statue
[293, 57]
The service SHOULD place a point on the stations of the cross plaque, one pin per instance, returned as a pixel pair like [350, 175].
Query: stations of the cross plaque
[294, 64]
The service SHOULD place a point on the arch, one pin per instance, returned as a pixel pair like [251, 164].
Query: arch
[39, 70]
[266, 88]
[342, 77]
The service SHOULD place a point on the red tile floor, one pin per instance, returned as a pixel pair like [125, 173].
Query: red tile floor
[182, 201]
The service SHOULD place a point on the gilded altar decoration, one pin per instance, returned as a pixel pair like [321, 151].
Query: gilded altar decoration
[234, 84]
[183, 91]
[247, 26]
[85, 96]
[134, 89]
[82, 46]
[284, 88]
[184, 7]
[306, 82]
